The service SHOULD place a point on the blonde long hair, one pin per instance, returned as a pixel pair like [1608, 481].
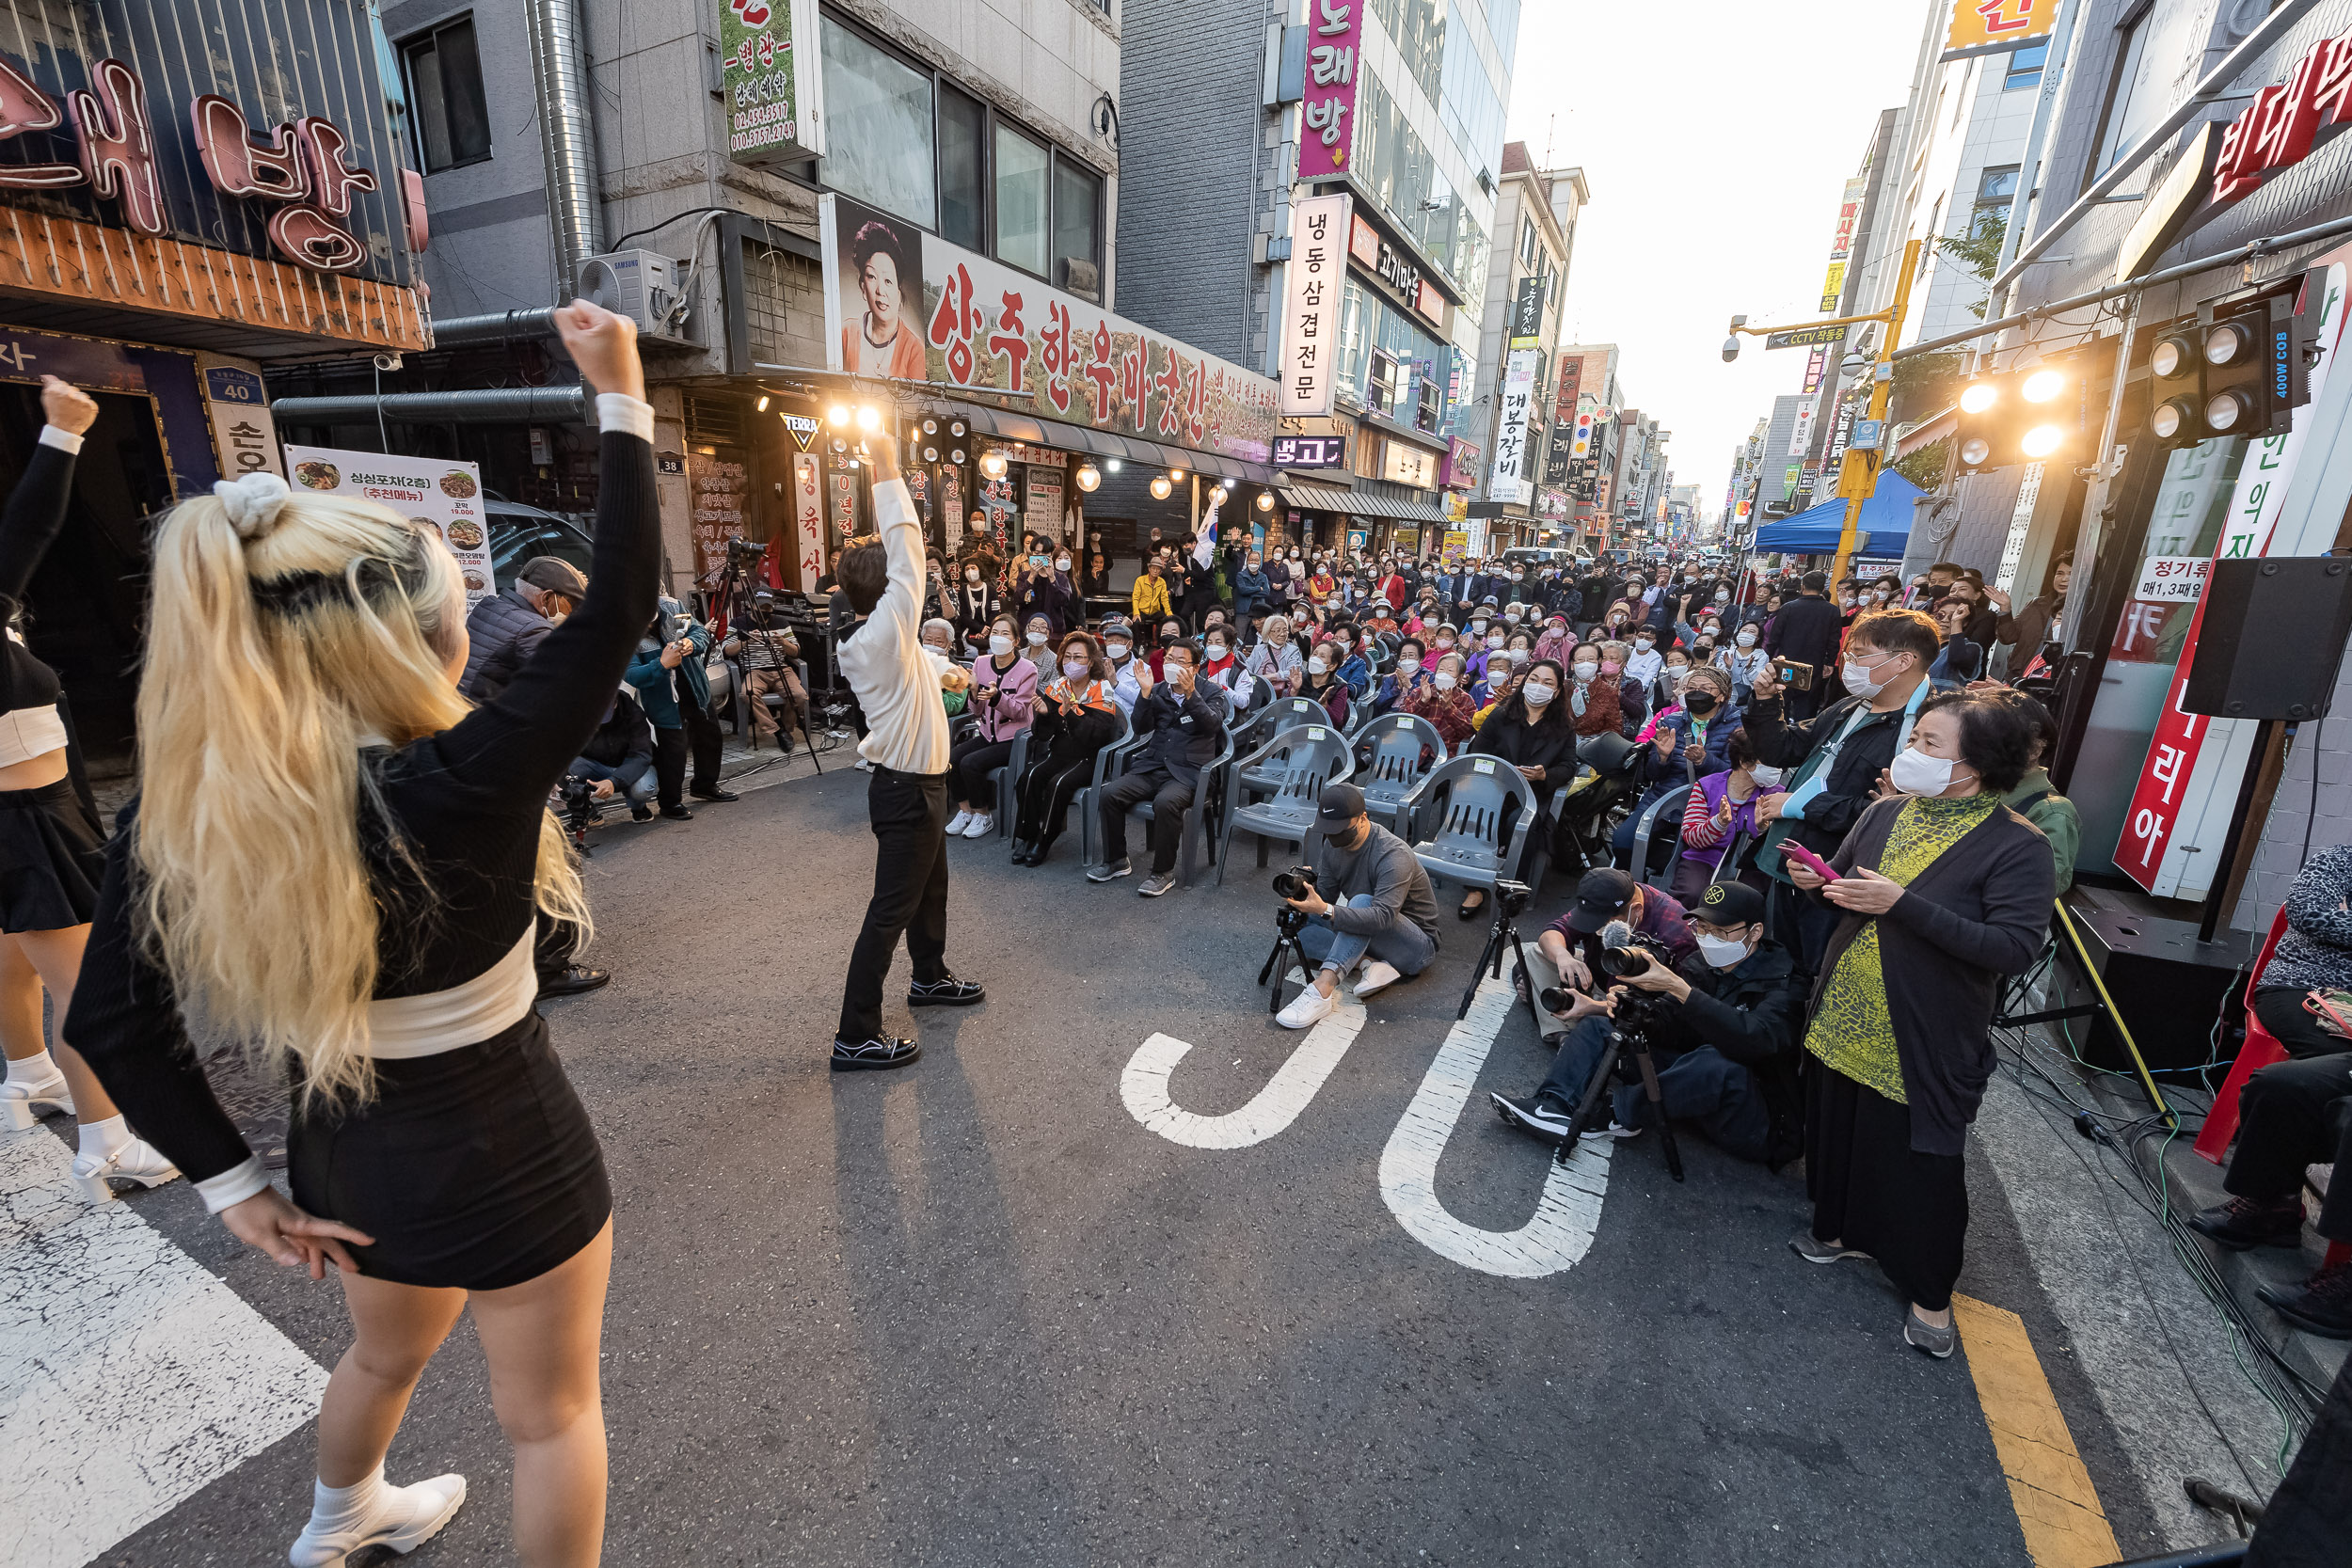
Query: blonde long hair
[282, 635]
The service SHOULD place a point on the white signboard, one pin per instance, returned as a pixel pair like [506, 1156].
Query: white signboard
[244, 437]
[1801, 438]
[1506, 480]
[438, 495]
[2020, 524]
[1310, 304]
[1042, 510]
[2173, 578]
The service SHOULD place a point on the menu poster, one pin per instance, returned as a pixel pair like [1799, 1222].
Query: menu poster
[719, 483]
[437, 494]
[1041, 503]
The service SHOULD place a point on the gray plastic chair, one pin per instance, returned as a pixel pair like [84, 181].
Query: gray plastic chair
[1105, 764]
[1399, 743]
[1200, 818]
[1007, 780]
[1667, 808]
[1272, 721]
[1478, 810]
[1299, 762]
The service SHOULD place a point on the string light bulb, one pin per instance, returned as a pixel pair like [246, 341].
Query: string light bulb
[1161, 487]
[1088, 477]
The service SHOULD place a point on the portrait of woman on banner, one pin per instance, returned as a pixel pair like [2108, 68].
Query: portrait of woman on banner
[886, 338]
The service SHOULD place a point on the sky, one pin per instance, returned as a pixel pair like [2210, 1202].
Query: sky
[1716, 138]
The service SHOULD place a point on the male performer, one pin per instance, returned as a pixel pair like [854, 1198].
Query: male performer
[906, 741]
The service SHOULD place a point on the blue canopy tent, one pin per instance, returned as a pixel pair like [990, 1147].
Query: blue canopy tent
[1885, 517]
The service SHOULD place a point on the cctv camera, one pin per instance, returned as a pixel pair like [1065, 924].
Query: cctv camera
[388, 361]
[1731, 348]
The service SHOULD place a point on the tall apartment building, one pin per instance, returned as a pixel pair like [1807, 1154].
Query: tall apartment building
[1583, 460]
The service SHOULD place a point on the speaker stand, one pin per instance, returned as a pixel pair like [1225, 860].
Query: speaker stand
[2210, 921]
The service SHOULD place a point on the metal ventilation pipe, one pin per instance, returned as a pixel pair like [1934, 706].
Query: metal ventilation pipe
[499, 328]
[480, 405]
[559, 66]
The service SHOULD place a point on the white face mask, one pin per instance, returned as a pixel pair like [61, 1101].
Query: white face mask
[1520, 655]
[1847, 601]
[1584, 669]
[1745, 639]
[1518, 576]
[1318, 666]
[1216, 650]
[1765, 775]
[1495, 642]
[1914, 773]
[1118, 650]
[1512, 614]
[1721, 952]
[1446, 680]
[1479, 626]
[973, 576]
[1076, 669]
[1723, 595]
[1000, 644]
[1062, 564]
[1037, 640]
[1645, 645]
[1445, 641]
[1677, 674]
[1858, 681]
[1409, 667]
[1538, 692]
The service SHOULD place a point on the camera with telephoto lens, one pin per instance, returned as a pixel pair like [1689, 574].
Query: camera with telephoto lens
[1296, 883]
[580, 811]
[742, 554]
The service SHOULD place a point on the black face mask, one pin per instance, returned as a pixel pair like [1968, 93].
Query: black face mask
[1700, 703]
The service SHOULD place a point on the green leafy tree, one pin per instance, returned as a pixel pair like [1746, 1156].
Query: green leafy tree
[1925, 467]
[1980, 251]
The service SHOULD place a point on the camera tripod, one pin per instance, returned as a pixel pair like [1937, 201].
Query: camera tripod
[1509, 898]
[730, 583]
[1623, 1048]
[1288, 924]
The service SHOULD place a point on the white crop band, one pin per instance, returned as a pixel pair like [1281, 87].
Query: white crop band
[233, 1186]
[618, 411]
[64, 440]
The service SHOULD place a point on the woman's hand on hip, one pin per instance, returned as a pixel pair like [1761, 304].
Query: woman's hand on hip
[270, 1222]
[1863, 891]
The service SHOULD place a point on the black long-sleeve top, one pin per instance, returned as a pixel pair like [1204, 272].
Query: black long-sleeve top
[1549, 744]
[28, 526]
[468, 801]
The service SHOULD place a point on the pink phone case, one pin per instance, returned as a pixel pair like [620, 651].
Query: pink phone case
[1812, 862]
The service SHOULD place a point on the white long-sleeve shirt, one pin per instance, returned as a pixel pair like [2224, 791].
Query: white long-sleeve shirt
[888, 666]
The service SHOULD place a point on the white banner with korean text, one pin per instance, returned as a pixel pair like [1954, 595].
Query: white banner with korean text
[1310, 304]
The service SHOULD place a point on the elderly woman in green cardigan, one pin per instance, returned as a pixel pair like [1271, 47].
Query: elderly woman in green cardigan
[1944, 889]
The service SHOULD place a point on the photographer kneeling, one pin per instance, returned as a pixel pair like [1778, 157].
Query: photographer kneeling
[1724, 1035]
[1379, 905]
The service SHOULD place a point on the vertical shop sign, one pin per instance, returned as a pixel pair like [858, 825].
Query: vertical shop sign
[441, 496]
[2184, 775]
[1327, 113]
[1506, 480]
[244, 434]
[1310, 304]
[774, 88]
[808, 519]
[718, 483]
[2020, 524]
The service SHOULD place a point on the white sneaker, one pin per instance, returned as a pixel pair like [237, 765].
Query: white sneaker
[1310, 1008]
[1378, 976]
[21, 1104]
[961, 820]
[136, 1162]
[980, 826]
[405, 1518]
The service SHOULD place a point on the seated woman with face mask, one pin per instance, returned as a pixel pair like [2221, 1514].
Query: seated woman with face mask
[1444, 701]
[1530, 729]
[1720, 813]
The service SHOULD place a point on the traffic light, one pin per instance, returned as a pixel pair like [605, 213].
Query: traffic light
[2031, 415]
[2238, 369]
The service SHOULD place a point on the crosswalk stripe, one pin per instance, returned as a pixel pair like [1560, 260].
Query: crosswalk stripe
[2056, 1506]
[130, 1376]
[1568, 1213]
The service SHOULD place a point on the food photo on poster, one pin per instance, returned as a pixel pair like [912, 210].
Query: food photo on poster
[440, 495]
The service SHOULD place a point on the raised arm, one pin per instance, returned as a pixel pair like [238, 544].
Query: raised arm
[35, 509]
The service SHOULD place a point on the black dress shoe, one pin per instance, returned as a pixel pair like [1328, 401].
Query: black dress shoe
[882, 1050]
[715, 792]
[677, 813]
[641, 814]
[572, 980]
[1025, 854]
[945, 991]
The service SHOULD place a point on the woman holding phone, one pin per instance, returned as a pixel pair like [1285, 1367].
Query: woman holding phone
[1943, 889]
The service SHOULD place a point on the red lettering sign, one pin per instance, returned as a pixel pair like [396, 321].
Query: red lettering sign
[1053, 349]
[1010, 342]
[237, 167]
[2278, 128]
[1103, 372]
[24, 107]
[117, 143]
[953, 324]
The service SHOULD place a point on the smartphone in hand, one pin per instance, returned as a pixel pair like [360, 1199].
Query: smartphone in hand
[1808, 859]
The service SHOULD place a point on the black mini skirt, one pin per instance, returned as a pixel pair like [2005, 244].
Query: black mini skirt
[473, 1169]
[53, 855]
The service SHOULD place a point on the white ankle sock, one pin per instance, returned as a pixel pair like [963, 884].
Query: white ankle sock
[336, 1506]
[38, 1070]
[102, 1138]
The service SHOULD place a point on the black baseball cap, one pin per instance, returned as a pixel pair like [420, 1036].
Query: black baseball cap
[1341, 803]
[1730, 904]
[1601, 897]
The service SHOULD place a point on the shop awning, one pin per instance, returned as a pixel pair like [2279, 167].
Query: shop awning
[1316, 497]
[1885, 517]
[1008, 426]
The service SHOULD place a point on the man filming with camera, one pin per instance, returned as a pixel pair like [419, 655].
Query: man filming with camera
[1567, 954]
[1722, 1025]
[1366, 896]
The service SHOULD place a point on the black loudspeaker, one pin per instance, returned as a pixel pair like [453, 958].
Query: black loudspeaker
[2272, 636]
[2171, 988]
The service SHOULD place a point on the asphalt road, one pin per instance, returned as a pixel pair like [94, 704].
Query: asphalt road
[978, 1312]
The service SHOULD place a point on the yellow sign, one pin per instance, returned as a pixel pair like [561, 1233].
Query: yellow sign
[1457, 541]
[1833, 285]
[1980, 27]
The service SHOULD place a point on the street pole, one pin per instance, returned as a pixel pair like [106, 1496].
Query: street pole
[1882, 387]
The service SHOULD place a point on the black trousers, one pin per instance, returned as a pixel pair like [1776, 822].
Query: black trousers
[1170, 798]
[2293, 1114]
[1050, 784]
[707, 740]
[551, 950]
[908, 814]
[1871, 1190]
[2281, 1009]
[968, 767]
[2310, 1517]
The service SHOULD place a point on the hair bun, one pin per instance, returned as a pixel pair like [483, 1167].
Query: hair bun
[252, 502]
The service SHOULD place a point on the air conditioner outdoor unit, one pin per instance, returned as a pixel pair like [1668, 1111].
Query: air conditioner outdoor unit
[642, 285]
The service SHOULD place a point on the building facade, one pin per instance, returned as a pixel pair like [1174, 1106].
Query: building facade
[1517, 385]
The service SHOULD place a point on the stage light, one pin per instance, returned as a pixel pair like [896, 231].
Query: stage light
[869, 417]
[993, 464]
[1977, 397]
[837, 415]
[2042, 387]
[762, 407]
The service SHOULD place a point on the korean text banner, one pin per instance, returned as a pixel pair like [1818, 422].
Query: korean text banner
[1310, 303]
[1506, 480]
[767, 54]
[1984, 26]
[1335, 31]
[906, 304]
[441, 496]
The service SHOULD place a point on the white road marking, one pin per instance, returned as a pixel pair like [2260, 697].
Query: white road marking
[1144, 1086]
[130, 1376]
[1565, 1216]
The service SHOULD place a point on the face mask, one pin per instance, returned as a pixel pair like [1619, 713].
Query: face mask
[1914, 773]
[1318, 666]
[1216, 650]
[1584, 669]
[1765, 775]
[1254, 565]
[1723, 595]
[1700, 703]
[1062, 564]
[1445, 643]
[1538, 692]
[1479, 626]
[1858, 681]
[1721, 952]
[1643, 644]
[973, 576]
[1611, 667]
[1445, 679]
[1037, 640]
[1847, 601]
[1516, 577]
[1293, 555]
[1745, 639]
[1519, 655]
[1511, 615]
[1000, 645]
[1408, 668]
[1170, 636]
[1118, 650]
[1076, 669]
